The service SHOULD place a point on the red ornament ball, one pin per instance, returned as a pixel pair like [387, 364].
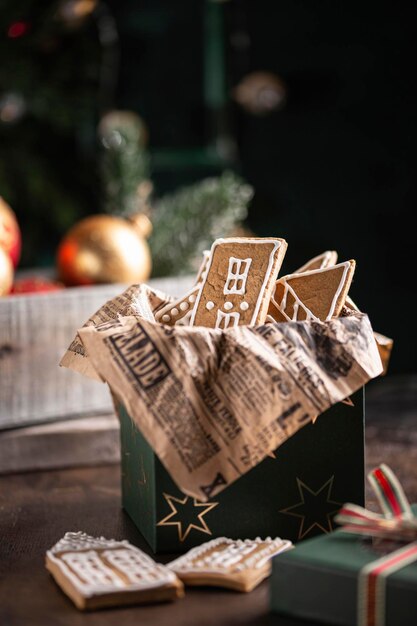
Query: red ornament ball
[10, 237]
[35, 285]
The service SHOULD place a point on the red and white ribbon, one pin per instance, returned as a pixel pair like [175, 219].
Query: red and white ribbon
[396, 522]
[372, 584]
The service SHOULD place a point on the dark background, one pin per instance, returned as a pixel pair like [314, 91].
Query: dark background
[334, 169]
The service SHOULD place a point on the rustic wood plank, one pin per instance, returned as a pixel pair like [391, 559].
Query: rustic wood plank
[68, 443]
[35, 331]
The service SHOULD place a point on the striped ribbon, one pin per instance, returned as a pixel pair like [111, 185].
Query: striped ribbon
[396, 522]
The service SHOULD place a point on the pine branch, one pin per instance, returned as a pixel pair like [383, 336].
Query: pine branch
[124, 161]
[187, 221]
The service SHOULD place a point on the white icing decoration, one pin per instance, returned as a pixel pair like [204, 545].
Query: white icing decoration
[244, 306]
[89, 567]
[228, 306]
[209, 305]
[137, 569]
[173, 308]
[325, 260]
[339, 289]
[202, 271]
[276, 244]
[81, 541]
[225, 555]
[227, 320]
[185, 320]
[84, 560]
[296, 306]
[237, 275]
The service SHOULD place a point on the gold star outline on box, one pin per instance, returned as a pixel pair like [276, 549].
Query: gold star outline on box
[174, 504]
[309, 497]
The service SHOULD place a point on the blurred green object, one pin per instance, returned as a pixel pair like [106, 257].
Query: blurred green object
[49, 102]
[187, 221]
[124, 162]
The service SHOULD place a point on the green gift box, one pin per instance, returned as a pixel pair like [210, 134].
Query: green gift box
[319, 580]
[293, 495]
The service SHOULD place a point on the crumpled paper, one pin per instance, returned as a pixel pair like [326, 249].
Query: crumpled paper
[214, 403]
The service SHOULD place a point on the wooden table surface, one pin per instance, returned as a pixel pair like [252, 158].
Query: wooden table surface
[36, 509]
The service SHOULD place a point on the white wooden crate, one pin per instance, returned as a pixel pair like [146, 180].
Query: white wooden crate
[35, 331]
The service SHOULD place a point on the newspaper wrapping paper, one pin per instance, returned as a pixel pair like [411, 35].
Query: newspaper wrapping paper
[214, 403]
[135, 300]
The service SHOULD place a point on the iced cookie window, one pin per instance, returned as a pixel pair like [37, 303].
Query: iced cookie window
[226, 320]
[90, 568]
[136, 568]
[237, 276]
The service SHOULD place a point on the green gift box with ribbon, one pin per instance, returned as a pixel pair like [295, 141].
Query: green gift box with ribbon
[294, 494]
[363, 574]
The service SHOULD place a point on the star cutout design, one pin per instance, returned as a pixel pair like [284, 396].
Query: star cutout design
[315, 508]
[187, 505]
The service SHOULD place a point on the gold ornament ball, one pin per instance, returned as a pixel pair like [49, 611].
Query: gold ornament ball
[104, 249]
[10, 237]
[6, 273]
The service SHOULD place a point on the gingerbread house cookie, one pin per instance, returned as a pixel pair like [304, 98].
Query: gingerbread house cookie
[314, 295]
[238, 282]
[179, 311]
[97, 573]
[235, 564]
[319, 262]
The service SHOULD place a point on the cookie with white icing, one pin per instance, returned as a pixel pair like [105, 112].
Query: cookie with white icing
[178, 311]
[238, 282]
[175, 312]
[319, 262]
[315, 295]
[201, 272]
[235, 564]
[98, 572]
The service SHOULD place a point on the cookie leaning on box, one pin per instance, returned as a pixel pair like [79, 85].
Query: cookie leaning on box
[314, 295]
[235, 564]
[179, 310]
[319, 262]
[97, 572]
[234, 285]
[238, 282]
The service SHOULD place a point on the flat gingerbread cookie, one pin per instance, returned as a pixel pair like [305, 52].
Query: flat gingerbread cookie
[179, 311]
[235, 564]
[314, 295]
[97, 573]
[319, 262]
[238, 282]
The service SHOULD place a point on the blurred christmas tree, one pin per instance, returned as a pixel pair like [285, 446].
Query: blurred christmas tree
[187, 221]
[124, 161]
[57, 84]
[52, 90]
